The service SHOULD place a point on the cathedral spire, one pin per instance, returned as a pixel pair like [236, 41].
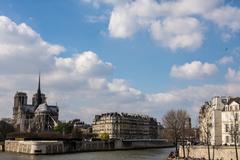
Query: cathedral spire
[39, 83]
[39, 94]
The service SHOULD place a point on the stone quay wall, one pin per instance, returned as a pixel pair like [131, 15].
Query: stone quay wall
[57, 147]
[34, 147]
[219, 152]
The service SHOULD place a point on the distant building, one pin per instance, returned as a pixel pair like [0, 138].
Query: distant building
[125, 126]
[160, 131]
[220, 117]
[36, 117]
[80, 126]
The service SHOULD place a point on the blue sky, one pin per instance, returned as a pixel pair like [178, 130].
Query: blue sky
[147, 52]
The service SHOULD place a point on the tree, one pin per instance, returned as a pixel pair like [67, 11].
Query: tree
[234, 131]
[205, 125]
[64, 128]
[104, 136]
[177, 122]
[5, 128]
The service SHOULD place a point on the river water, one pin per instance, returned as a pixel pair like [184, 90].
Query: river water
[147, 154]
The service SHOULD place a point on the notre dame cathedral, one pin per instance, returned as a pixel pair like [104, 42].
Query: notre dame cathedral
[35, 117]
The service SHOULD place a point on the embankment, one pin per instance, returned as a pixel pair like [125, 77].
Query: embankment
[58, 147]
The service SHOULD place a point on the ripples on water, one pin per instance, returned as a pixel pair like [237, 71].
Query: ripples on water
[147, 154]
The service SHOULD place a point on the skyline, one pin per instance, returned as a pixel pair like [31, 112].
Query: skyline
[144, 56]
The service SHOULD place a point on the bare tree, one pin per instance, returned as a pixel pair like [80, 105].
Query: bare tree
[176, 122]
[234, 131]
[206, 129]
[205, 124]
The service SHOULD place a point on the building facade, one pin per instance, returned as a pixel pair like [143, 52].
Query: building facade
[219, 121]
[125, 126]
[35, 117]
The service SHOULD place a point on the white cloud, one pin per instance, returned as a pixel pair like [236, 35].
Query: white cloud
[129, 16]
[82, 86]
[122, 24]
[193, 70]
[83, 70]
[122, 86]
[163, 98]
[226, 60]
[182, 37]
[226, 16]
[20, 45]
[233, 75]
[173, 32]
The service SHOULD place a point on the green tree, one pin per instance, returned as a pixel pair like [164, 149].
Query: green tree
[104, 136]
[64, 128]
[5, 128]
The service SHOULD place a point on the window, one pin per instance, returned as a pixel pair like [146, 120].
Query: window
[227, 139]
[236, 116]
[226, 128]
[237, 127]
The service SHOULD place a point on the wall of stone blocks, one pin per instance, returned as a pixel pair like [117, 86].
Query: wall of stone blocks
[219, 152]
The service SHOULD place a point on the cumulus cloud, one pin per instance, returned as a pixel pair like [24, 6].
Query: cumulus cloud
[193, 70]
[226, 60]
[83, 70]
[226, 16]
[122, 24]
[182, 37]
[82, 86]
[20, 45]
[233, 75]
[79, 83]
[129, 16]
[174, 31]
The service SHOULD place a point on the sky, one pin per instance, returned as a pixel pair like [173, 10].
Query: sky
[134, 56]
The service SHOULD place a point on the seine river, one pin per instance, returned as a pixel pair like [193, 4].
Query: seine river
[147, 154]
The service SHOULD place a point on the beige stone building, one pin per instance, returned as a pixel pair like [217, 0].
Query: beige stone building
[125, 126]
[218, 119]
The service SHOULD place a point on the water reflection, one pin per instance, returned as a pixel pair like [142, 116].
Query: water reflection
[148, 154]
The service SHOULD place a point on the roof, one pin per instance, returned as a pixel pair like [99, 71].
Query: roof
[28, 108]
[42, 108]
[236, 99]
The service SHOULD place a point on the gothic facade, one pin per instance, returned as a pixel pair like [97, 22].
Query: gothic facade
[35, 117]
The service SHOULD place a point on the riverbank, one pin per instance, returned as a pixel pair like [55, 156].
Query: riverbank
[60, 147]
[146, 154]
[218, 152]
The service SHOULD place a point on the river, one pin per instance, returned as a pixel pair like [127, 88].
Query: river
[147, 154]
